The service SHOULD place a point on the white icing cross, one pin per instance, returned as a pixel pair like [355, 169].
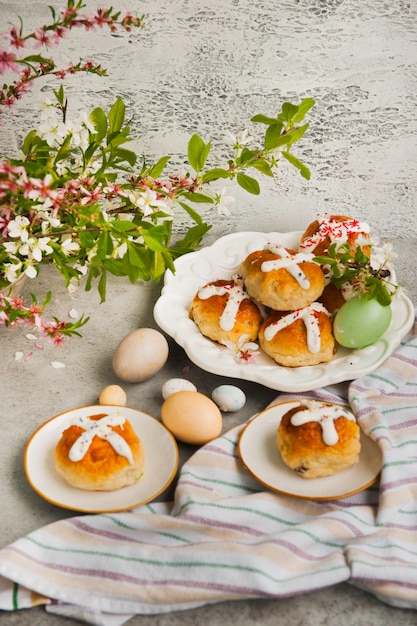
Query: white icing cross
[325, 415]
[311, 322]
[336, 231]
[236, 293]
[290, 262]
[102, 429]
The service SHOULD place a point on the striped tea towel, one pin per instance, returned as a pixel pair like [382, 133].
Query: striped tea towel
[225, 537]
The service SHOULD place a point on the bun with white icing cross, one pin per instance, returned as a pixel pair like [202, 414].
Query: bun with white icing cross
[298, 338]
[100, 453]
[223, 311]
[282, 279]
[318, 439]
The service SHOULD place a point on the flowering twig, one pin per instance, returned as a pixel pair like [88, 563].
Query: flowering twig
[14, 312]
[77, 199]
[49, 35]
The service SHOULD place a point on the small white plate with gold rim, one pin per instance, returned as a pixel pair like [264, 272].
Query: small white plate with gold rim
[161, 463]
[222, 260]
[259, 454]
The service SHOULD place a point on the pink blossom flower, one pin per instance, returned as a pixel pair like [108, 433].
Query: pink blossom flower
[8, 61]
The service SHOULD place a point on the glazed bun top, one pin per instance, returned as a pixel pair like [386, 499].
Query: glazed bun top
[224, 311]
[338, 229]
[282, 279]
[100, 452]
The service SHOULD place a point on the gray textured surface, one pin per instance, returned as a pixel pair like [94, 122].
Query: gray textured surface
[208, 68]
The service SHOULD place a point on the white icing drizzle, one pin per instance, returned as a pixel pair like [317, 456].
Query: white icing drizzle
[325, 415]
[236, 293]
[311, 322]
[102, 429]
[290, 262]
[337, 232]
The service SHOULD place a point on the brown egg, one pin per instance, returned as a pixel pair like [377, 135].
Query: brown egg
[113, 395]
[192, 417]
[140, 355]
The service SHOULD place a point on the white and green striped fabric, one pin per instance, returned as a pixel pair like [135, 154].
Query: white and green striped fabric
[226, 537]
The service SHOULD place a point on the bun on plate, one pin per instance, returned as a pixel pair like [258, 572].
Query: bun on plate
[318, 439]
[282, 279]
[338, 229]
[297, 338]
[223, 311]
[100, 452]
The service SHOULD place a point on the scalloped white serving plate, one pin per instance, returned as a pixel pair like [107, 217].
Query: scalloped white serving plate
[222, 260]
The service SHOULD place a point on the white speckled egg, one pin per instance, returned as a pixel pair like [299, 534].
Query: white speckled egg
[173, 385]
[192, 417]
[113, 395]
[229, 398]
[140, 355]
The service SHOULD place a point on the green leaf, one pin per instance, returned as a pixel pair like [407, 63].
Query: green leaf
[197, 152]
[99, 119]
[191, 212]
[215, 174]
[191, 240]
[104, 245]
[136, 254]
[158, 266]
[152, 243]
[248, 184]
[125, 155]
[274, 138]
[116, 116]
[157, 169]
[122, 226]
[264, 119]
[60, 95]
[295, 134]
[198, 197]
[288, 111]
[102, 284]
[246, 155]
[304, 171]
[36, 58]
[262, 166]
[303, 108]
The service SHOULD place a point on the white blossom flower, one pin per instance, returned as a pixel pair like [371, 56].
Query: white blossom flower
[222, 201]
[239, 141]
[12, 271]
[68, 245]
[18, 228]
[119, 251]
[244, 351]
[34, 248]
[388, 252]
[31, 271]
[147, 201]
[12, 247]
[53, 132]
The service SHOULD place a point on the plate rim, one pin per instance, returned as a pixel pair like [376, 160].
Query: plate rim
[93, 510]
[298, 496]
[325, 375]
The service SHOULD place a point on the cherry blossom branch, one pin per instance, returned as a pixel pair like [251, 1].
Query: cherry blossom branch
[49, 35]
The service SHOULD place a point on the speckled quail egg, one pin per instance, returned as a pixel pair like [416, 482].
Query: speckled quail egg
[229, 398]
[176, 384]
